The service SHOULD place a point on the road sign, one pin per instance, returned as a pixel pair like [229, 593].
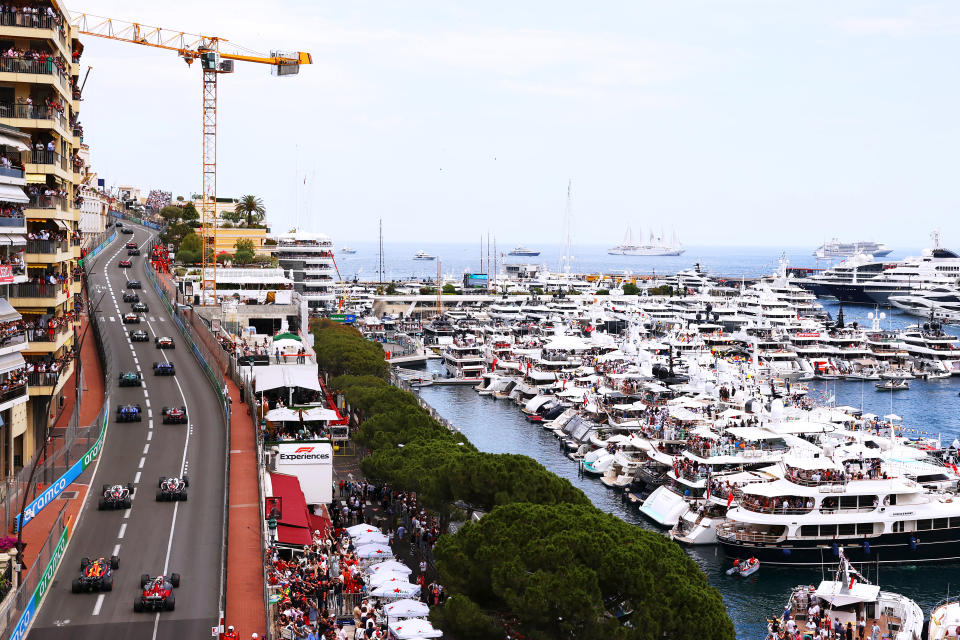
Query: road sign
[343, 317]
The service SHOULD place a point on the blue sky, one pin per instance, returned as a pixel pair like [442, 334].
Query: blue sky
[747, 123]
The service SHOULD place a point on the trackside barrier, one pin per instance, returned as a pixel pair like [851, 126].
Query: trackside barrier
[95, 251]
[46, 579]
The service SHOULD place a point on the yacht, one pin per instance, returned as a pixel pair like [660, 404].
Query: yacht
[945, 620]
[850, 598]
[877, 507]
[943, 302]
[523, 251]
[935, 267]
[855, 269]
[656, 246]
[348, 250]
[423, 255]
[837, 249]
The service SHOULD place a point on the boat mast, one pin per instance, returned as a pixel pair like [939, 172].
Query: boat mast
[567, 259]
[380, 258]
[439, 292]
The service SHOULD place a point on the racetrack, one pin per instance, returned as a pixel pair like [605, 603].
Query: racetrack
[151, 537]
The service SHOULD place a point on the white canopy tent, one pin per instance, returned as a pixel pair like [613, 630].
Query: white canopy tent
[413, 629]
[374, 551]
[287, 375]
[392, 566]
[406, 608]
[396, 590]
[357, 529]
[371, 537]
[386, 578]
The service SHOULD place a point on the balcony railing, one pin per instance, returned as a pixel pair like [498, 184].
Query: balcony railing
[10, 172]
[13, 221]
[12, 339]
[47, 246]
[47, 202]
[46, 334]
[37, 290]
[28, 21]
[49, 157]
[31, 112]
[38, 67]
[13, 394]
[44, 378]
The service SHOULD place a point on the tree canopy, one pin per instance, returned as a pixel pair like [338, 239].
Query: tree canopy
[343, 350]
[573, 571]
[250, 208]
[190, 248]
[245, 251]
[630, 289]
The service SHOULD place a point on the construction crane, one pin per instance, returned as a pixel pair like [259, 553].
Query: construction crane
[216, 56]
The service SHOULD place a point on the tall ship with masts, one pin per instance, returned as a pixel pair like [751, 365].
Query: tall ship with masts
[656, 245]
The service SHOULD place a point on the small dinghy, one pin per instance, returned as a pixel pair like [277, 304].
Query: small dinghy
[749, 567]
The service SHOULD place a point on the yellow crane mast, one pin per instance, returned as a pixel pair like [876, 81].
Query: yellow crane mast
[216, 56]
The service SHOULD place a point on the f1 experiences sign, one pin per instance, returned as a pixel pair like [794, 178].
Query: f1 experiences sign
[312, 464]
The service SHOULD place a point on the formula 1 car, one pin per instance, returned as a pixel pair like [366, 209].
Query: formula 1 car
[95, 575]
[131, 379]
[116, 496]
[174, 415]
[134, 284]
[157, 593]
[139, 336]
[125, 264]
[133, 252]
[127, 230]
[129, 413]
[131, 245]
[172, 489]
[164, 369]
[164, 342]
[131, 318]
[131, 296]
[140, 306]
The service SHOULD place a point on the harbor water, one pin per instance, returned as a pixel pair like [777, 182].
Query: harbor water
[499, 427]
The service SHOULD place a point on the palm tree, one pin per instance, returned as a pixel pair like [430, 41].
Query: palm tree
[252, 208]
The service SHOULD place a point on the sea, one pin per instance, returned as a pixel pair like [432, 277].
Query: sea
[927, 408]
[457, 258]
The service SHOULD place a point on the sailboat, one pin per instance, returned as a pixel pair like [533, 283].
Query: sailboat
[655, 246]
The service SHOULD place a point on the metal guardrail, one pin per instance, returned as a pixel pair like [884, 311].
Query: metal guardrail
[13, 221]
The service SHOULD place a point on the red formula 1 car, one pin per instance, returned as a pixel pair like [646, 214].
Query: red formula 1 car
[157, 593]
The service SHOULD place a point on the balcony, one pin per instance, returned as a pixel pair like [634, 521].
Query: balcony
[29, 294]
[42, 207]
[47, 251]
[21, 66]
[32, 21]
[13, 224]
[48, 340]
[48, 382]
[44, 157]
[10, 172]
[32, 115]
[12, 394]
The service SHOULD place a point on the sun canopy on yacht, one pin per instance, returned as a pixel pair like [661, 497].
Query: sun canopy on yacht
[611, 355]
[839, 595]
[684, 414]
[687, 401]
[753, 433]
[568, 343]
[803, 426]
[731, 413]
[573, 392]
[633, 406]
[810, 463]
[857, 450]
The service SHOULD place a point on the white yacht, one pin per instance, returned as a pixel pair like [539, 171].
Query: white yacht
[347, 250]
[655, 246]
[423, 255]
[837, 249]
[523, 251]
[943, 302]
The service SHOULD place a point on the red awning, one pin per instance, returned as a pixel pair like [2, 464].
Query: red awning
[294, 536]
[294, 504]
[320, 523]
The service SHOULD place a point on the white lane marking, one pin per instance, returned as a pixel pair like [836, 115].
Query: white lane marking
[149, 413]
[123, 530]
[149, 435]
[150, 424]
[126, 514]
[142, 461]
[136, 478]
[146, 448]
[99, 603]
[113, 318]
[147, 401]
[146, 393]
[116, 549]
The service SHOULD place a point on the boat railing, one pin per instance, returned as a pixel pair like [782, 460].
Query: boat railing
[778, 510]
[731, 531]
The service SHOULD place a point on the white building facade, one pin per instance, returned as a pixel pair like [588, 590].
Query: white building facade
[308, 257]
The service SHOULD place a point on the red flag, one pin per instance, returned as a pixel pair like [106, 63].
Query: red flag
[853, 580]
[729, 499]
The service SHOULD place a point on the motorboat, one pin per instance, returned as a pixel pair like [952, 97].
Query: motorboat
[892, 385]
[423, 255]
[523, 251]
[945, 620]
[850, 598]
[347, 250]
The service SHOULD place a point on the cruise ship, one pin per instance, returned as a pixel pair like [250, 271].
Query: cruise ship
[655, 246]
[523, 251]
[837, 249]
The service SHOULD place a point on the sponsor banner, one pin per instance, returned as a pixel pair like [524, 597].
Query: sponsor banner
[46, 579]
[6, 274]
[298, 453]
[64, 481]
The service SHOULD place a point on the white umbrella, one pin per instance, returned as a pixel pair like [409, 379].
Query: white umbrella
[386, 577]
[357, 529]
[374, 551]
[370, 537]
[391, 566]
[406, 608]
[680, 413]
[319, 413]
[396, 590]
[413, 628]
[282, 415]
[892, 416]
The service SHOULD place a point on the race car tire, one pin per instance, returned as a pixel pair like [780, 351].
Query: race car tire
[163, 412]
[104, 488]
[106, 584]
[170, 603]
[186, 479]
[139, 418]
[160, 482]
[138, 605]
[114, 562]
[75, 586]
[160, 495]
[144, 579]
[84, 561]
[183, 495]
[127, 502]
[174, 580]
[101, 505]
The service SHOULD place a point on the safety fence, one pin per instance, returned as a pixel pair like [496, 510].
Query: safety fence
[93, 253]
[185, 327]
[19, 608]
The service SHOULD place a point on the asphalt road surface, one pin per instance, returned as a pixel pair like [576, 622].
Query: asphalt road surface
[151, 537]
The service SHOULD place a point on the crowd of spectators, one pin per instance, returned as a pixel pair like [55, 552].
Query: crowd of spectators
[8, 163]
[45, 59]
[13, 380]
[33, 16]
[47, 234]
[157, 199]
[35, 191]
[15, 261]
[10, 331]
[45, 329]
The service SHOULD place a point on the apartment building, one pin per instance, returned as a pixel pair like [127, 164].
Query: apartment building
[39, 97]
